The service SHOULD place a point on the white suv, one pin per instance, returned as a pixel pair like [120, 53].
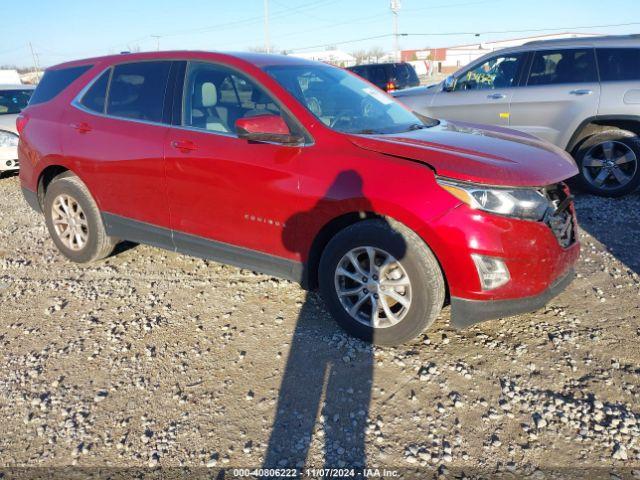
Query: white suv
[582, 95]
[13, 98]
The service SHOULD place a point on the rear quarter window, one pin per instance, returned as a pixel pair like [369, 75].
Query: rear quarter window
[55, 81]
[618, 64]
[95, 97]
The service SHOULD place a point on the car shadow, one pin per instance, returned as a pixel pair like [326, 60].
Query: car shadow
[326, 385]
[9, 174]
[613, 222]
[122, 247]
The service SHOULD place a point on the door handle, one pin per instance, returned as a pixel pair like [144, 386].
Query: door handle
[81, 127]
[581, 91]
[185, 146]
[496, 96]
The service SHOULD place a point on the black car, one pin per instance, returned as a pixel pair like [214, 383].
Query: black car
[388, 76]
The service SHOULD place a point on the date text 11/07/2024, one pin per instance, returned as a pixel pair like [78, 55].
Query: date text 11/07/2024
[316, 473]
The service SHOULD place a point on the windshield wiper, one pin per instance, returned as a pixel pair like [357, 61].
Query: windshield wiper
[368, 131]
[417, 126]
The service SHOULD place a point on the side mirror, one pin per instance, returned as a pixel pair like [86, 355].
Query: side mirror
[449, 83]
[265, 128]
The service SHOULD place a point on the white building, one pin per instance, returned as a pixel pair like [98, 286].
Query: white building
[9, 77]
[334, 57]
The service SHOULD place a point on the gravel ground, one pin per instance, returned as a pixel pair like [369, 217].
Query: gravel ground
[156, 359]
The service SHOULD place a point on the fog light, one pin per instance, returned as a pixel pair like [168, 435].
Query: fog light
[493, 272]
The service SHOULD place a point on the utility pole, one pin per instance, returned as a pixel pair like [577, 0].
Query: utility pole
[267, 45]
[157, 37]
[395, 9]
[35, 63]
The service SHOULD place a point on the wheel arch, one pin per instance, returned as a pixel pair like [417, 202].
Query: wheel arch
[45, 178]
[602, 123]
[322, 238]
[309, 279]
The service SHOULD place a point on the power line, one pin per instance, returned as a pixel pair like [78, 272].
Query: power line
[521, 31]
[310, 47]
[489, 32]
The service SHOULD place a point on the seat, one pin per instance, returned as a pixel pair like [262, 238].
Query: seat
[538, 69]
[205, 112]
[506, 74]
[261, 103]
[565, 70]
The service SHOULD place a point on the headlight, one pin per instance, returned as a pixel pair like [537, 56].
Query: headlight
[8, 139]
[525, 203]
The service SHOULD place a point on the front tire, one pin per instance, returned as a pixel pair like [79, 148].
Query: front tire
[74, 221]
[381, 282]
[609, 163]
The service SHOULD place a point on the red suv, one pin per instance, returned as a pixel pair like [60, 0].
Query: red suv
[304, 171]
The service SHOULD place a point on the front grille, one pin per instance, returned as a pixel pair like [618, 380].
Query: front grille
[561, 220]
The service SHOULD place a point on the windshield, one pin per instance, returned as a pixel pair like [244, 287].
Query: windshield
[344, 102]
[13, 101]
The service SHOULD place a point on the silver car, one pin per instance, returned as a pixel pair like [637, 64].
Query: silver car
[13, 98]
[582, 95]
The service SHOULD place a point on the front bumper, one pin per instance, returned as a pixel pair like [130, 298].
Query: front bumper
[465, 312]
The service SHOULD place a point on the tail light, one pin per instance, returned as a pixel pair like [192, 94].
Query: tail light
[21, 122]
[391, 86]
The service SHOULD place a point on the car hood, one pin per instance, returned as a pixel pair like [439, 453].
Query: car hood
[8, 122]
[416, 91]
[479, 154]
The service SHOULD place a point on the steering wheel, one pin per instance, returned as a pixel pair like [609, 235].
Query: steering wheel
[341, 116]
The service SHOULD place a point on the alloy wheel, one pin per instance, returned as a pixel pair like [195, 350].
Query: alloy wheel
[609, 165]
[70, 222]
[373, 287]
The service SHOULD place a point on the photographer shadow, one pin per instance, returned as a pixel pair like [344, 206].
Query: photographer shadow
[326, 386]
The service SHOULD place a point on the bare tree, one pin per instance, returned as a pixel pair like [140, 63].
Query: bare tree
[376, 53]
[360, 56]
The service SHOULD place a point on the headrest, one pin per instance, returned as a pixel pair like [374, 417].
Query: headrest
[209, 94]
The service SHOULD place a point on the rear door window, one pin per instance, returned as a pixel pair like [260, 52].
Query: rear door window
[137, 90]
[55, 81]
[552, 67]
[95, 97]
[402, 72]
[13, 101]
[619, 64]
[378, 75]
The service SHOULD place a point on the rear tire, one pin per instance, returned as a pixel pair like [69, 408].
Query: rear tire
[74, 221]
[408, 286]
[609, 163]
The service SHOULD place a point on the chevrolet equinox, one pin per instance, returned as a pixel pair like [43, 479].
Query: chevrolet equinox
[304, 171]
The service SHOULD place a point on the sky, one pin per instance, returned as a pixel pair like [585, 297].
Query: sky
[61, 30]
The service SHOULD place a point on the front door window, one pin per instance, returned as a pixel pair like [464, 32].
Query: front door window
[497, 72]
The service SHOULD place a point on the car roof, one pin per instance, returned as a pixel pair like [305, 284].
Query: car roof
[604, 40]
[258, 59]
[599, 41]
[17, 87]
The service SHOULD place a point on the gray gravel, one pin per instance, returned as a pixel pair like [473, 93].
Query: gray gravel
[156, 359]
